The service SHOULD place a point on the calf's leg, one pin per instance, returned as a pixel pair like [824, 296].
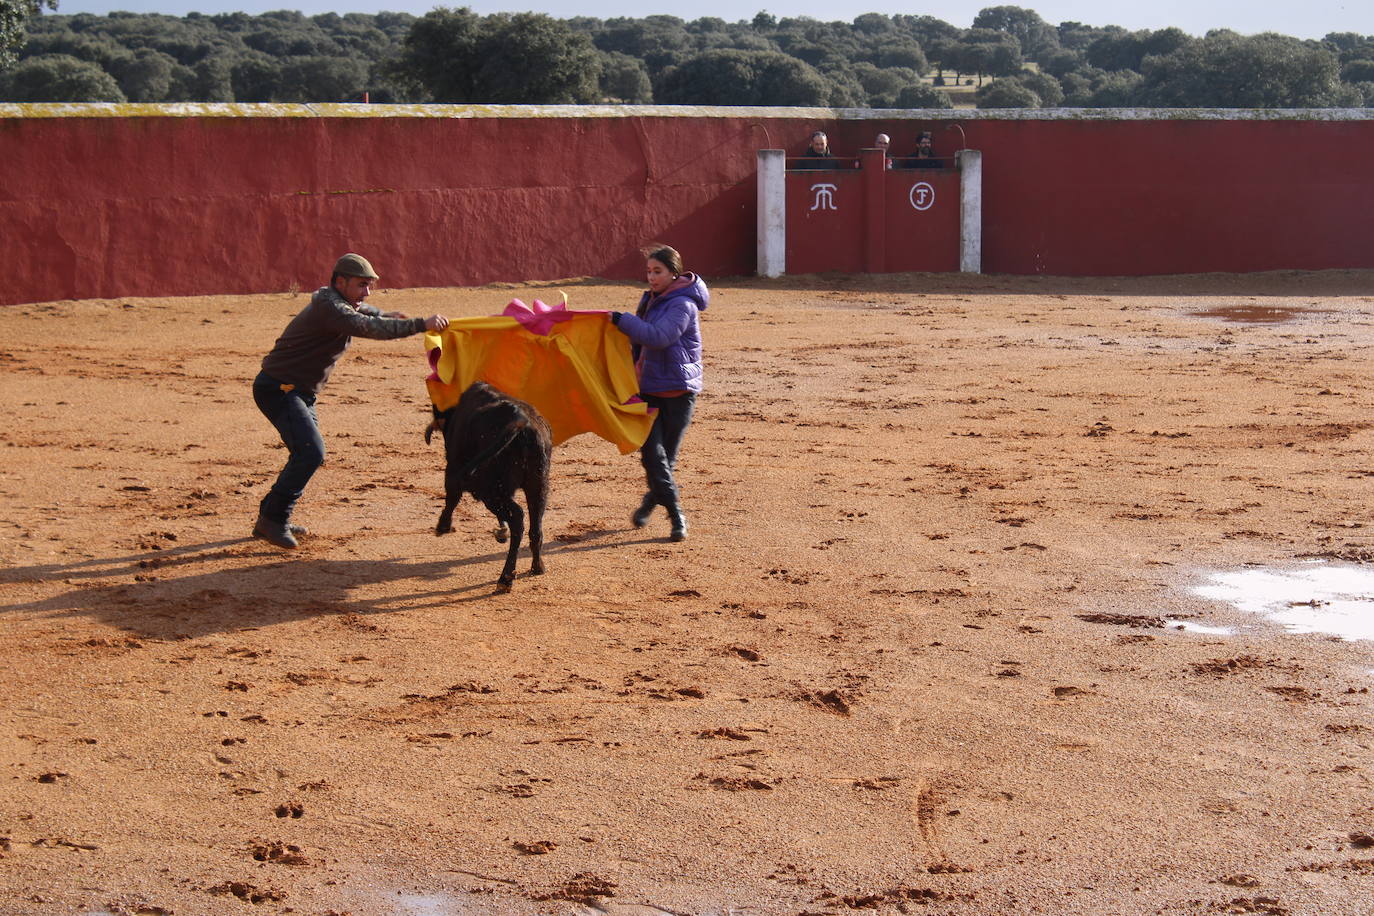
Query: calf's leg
[535, 497]
[508, 511]
[453, 491]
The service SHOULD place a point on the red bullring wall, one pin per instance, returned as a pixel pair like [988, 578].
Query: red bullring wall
[100, 201]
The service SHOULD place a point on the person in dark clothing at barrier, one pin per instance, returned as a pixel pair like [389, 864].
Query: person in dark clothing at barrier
[818, 155]
[297, 368]
[925, 154]
[665, 337]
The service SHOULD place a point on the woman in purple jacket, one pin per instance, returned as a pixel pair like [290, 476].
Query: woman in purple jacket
[665, 333]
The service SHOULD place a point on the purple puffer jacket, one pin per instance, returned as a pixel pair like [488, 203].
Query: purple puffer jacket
[667, 336]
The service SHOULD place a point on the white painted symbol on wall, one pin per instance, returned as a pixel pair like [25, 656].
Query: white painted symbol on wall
[825, 197]
[922, 195]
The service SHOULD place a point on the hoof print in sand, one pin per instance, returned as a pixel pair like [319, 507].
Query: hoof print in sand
[277, 853]
[248, 893]
[537, 848]
[583, 887]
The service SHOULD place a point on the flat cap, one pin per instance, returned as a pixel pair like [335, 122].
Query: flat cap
[354, 265]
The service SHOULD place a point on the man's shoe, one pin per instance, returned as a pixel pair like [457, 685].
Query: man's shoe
[274, 533]
[297, 530]
[641, 516]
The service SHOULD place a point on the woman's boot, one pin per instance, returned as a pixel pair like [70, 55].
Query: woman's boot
[640, 518]
[679, 532]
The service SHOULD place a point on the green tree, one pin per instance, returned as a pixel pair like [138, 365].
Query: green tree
[255, 77]
[971, 58]
[815, 42]
[925, 29]
[534, 58]
[1061, 62]
[217, 58]
[58, 78]
[1046, 87]
[902, 53]
[1078, 90]
[212, 80]
[988, 51]
[1035, 37]
[730, 77]
[1117, 89]
[1354, 95]
[91, 46]
[1162, 41]
[1077, 37]
[919, 95]
[944, 54]
[1350, 45]
[875, 25]
[707, 25]
[1005, 60]
[1006, 93]
[624, 79]
[1118, 49]
[844, 87]
[1226, 70]
[1366, 94]
[735, 36]
[659, 41]
[329, 78]
[440, 56]
[1358, 71]
[14, 15]
[881, 84]
[143, 76]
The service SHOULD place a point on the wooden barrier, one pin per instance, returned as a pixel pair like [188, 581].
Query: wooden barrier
[872, 219]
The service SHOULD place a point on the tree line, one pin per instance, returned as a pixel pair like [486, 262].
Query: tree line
[1010, 58]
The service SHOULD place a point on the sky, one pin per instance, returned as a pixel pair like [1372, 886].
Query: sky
[1300, 18]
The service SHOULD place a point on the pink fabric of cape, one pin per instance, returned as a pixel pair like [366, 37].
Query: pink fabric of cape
[573, 367]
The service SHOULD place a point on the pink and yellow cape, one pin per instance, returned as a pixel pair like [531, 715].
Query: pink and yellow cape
[573, 366]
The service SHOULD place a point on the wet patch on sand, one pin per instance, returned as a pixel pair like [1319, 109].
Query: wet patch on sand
[1259, 314]
[1330, 598]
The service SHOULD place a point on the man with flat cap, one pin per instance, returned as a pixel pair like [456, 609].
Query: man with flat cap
[297, 368]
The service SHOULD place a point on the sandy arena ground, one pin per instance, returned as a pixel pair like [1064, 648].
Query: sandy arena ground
[913, 657]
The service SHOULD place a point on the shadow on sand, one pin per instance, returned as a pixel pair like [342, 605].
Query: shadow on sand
[172, 597]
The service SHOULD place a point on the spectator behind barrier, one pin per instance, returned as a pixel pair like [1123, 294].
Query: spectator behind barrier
[925, 154]
[818, 155]
[882, 142]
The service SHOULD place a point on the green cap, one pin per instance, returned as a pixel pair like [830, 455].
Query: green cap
[354, 265]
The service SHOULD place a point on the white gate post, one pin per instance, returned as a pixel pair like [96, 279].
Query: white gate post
[772, 215]
[970, 211]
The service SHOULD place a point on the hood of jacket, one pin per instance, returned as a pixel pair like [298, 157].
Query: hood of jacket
[687, 285]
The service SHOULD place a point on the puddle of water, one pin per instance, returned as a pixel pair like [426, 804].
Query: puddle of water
[1330, 598]
[1259, 314]
[436, 904]
[1194, 627]
[424, 903]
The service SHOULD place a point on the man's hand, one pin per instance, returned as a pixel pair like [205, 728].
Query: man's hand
[436, 323]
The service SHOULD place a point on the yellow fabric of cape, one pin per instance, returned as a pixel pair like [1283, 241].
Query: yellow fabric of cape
[579, 375]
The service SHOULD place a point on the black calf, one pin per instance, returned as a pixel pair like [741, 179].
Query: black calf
[496, 444]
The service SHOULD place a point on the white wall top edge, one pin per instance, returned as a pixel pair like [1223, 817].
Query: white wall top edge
[358, 110]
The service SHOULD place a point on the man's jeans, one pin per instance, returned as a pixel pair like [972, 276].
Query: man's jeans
[293, 414]
[658, 454]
